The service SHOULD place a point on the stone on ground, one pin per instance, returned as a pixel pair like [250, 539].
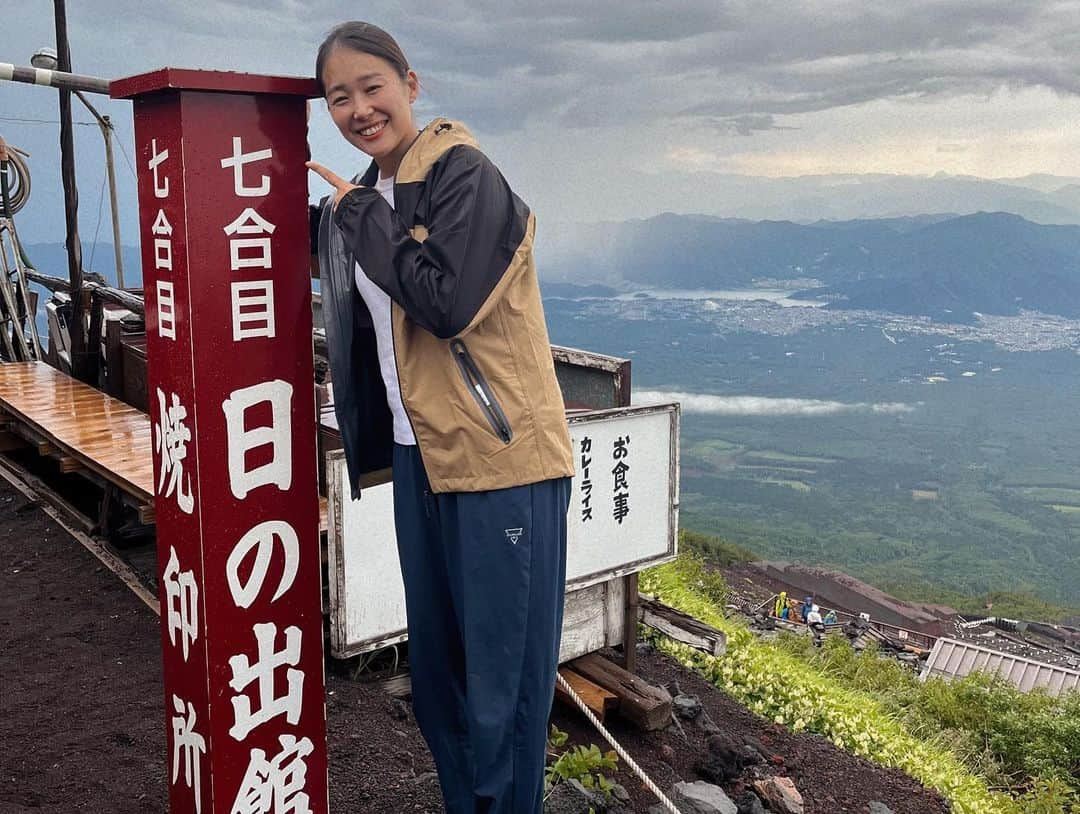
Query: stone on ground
[750, 803]
[724, 760]
[687, 707]
[781, 795]
[701, 798]
[571, 797]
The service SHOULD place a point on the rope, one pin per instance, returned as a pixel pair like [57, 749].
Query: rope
[16, 180]
[664, 801]
[21, 120]
[12, 202]
[124, 153]
[97, 229]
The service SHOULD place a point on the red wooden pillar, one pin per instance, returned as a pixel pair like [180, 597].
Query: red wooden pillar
[223, 222]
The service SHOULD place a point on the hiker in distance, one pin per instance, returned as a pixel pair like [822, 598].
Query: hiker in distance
[442, 368]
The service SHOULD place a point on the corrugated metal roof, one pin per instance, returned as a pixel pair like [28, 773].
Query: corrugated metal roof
[955, 659]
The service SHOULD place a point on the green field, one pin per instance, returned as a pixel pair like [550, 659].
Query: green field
[1001, 452]
[1043, 494]
[791, 469]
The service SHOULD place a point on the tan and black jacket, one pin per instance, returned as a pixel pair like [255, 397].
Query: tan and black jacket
[454, 254]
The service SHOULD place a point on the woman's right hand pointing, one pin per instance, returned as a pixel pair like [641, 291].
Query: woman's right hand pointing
[340, 185]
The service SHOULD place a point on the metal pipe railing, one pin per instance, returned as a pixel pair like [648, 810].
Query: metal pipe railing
[54, 79]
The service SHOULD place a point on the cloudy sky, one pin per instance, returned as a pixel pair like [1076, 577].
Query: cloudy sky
[584, 104]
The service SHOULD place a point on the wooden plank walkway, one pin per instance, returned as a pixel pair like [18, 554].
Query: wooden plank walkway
[101, 433]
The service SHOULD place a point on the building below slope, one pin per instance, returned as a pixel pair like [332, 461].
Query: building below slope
[1029, 654]
[953, 658]
[1055, 645]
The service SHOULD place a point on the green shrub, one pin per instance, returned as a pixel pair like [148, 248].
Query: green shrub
[714, 550]
[957, 738]
[586, 764]
[1050, 797]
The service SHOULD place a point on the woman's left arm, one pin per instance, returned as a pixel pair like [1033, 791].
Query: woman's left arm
[452, 279]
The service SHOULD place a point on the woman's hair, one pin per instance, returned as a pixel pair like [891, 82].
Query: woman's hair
[365, 38]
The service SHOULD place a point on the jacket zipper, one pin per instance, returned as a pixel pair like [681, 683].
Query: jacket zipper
[393, 344]
[478, 385]
[393, 339]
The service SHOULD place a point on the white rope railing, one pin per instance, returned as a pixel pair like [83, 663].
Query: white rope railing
[629, 761]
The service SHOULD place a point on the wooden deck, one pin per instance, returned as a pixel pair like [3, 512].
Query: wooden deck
[85, 429]
[101, 433]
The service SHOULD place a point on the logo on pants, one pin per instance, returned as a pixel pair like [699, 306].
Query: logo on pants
[513, 535]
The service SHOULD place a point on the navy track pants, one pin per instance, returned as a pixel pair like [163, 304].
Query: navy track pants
[484, 575]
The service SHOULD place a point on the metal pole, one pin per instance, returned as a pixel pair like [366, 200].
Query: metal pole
[53, 79]
[71, 197]
[106, 131]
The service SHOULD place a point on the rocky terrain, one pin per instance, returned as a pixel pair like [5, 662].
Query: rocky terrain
[82, 727]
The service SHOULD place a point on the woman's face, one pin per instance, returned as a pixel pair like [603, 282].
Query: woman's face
[371, 104]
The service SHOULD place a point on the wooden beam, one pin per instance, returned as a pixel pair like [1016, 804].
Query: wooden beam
[592, 619]
[44, 448]
[108, 494]
[596, 698]
[10, 441]
[114, 359]
[146, 514]
[640, 703]
[683, 628]
[399, 687]
[93, 342]
[69, 464]
[133, 302]
[630, 623]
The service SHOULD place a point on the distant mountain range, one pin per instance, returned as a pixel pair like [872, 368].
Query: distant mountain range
[804, 199]
[935, 265]
[810, 198]
[942, 266]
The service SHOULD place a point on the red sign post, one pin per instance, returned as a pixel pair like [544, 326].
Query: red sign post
[223, 219]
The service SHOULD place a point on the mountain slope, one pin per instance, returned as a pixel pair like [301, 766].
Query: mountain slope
[994, 263]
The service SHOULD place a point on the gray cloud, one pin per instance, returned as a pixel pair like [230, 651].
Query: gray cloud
[749, 123]
[602, 91]
[601, 64]
[503, 65]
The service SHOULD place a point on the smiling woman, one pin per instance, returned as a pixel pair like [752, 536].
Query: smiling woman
[441, 367]
[369, 90]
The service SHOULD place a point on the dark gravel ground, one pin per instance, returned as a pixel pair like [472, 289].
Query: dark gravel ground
[82, 727]
[831, 781]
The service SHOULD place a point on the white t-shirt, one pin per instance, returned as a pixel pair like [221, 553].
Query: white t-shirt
[378, 303]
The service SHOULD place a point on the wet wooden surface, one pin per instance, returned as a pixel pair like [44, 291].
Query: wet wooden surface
[99, 431]
[96, 430]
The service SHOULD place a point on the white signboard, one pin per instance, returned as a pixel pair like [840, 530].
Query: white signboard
[367, 597]
[623, 517]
